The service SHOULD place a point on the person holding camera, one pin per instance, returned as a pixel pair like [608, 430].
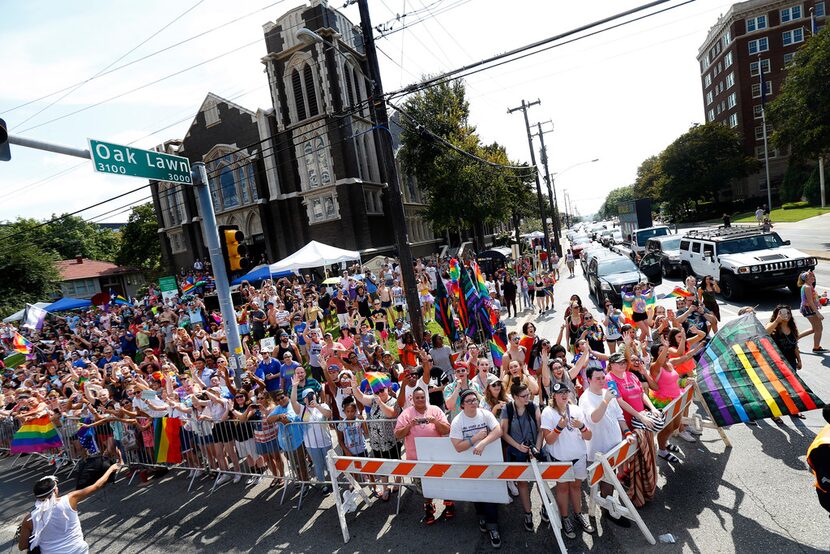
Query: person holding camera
[423, 420]
[566, 434]
[521, 425]
[474, 429]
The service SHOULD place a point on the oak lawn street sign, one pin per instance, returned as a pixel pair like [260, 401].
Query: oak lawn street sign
[116, 159]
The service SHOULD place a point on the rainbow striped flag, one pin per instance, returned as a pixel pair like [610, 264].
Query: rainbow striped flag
[378, 380]
[20, 344]
[743, 377]
[481, 284]
[188, 287]
[455, 276]
[168, 446]
[39, 435]
[498, 346]
[677, 292]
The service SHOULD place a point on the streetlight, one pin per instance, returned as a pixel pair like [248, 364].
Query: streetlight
[553, 185]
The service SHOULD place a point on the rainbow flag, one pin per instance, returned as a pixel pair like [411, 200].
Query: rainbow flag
[498, 346]
[378, 380]
[443, 311]
[743, 377]
[481, 284]
[455, 276]
[39, 435]
[677, 292]
[20, 344]
[168, 446]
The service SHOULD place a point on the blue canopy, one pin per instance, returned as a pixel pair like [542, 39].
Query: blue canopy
[260, 273]
[67, 303]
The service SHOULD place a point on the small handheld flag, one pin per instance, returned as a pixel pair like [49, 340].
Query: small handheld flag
[378, 380]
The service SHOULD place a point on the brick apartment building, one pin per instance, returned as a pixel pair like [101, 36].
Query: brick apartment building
[753, 36]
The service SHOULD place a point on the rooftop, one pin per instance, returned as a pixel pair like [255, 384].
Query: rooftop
[84, 268]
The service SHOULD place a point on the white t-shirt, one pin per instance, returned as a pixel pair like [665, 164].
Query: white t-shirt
[607, 433]
[316, 433]
[465, 427]
[570, 445]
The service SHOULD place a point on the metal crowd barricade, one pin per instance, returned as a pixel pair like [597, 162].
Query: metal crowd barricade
[8, 426]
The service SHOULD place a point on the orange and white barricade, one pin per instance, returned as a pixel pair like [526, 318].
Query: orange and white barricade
[541, 473]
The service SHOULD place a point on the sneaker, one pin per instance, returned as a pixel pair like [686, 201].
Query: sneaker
[694, 431]
[529, 522]
[511, 486]
[224, 478]
[429, 514]
[585, 523]
[686, 436]
[326, 490]
[251, 481]
[449, 511]
[619, 521]
[545, 518]
[495, 539]
[482, 525]
[237, 478]
[568, 528]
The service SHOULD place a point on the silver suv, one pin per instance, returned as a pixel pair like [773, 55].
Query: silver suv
[741, 257]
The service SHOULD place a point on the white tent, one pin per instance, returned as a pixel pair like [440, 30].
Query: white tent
[314, 254]
[17, 316]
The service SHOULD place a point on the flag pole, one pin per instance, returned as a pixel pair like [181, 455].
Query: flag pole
[764, 125]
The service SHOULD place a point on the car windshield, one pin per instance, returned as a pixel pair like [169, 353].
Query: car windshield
[671, 244]
[750, 244]
[580, 239]
[643, 236]
[619, 265]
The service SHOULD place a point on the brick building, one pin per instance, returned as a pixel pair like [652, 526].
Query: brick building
[753, 36]
[305, 168]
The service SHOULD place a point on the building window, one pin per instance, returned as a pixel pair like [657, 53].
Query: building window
[171, 200]
[771, 153]
[211, 113]
[177, 245]
[315, 160]
[733, 120]
[79, 288]
[727, 60]
[757, 111]
[732, 101]
[788, 58]
[301, 88]
[322, 208]
[374, 202]
[793, 36]
[730, 80]
[756, 23]
[707, 81]
[710, 116]
[758, 45]
[759, 131]
[231, 178]
[818, 9]
[727, 38]
[790, 14]
[709, 98]
[753, 67]
[756, 89]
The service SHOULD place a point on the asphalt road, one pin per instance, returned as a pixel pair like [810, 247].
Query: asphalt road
[755, 497]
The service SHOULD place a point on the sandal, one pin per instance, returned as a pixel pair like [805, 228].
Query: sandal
[672, 448]
[669, 457]
[778, 420]
[275, 483]
[799, 415]
[819, 350]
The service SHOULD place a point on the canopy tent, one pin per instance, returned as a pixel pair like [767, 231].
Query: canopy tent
[314, 254]
[67, 303]
[260, 273]
[534, 235]
[17, 316]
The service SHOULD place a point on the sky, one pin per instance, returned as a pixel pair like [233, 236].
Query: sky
[619, 96]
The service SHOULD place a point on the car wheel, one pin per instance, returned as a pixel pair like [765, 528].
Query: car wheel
[730, 288]
[686, 271]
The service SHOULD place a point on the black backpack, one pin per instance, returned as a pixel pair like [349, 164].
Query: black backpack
[511, 413]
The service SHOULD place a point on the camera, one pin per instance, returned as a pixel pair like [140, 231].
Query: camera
[533, 451]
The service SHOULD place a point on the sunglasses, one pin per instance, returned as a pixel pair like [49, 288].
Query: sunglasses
[496, 385]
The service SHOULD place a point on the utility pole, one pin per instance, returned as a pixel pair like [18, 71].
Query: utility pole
[384, 147]
[554, 207]
[523, 108]
[567, 210]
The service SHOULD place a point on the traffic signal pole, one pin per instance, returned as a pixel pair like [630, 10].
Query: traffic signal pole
[210, 231]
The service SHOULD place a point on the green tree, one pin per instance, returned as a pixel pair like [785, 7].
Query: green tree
[702, 162]
[610, 207]
[649, 181]
[139, 241]
[29, 275]
[461, 192]
[800, 114]
[68, 237]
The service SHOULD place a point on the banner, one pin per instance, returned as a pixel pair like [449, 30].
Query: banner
[168, 286]
[743, 377]
[33, 317]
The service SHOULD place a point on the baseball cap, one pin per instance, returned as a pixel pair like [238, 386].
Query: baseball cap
[558, 387]
[616, 358]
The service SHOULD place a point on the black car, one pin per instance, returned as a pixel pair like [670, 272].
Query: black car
[667, 251]
[608, 276]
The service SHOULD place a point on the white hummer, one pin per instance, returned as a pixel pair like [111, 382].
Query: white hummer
[741, 257]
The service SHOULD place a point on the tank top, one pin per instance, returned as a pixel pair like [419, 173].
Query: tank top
[667, 384]
[805, 303]
[63, 534]
[686, 368]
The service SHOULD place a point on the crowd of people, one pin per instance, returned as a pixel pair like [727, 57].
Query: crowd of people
[337, 366]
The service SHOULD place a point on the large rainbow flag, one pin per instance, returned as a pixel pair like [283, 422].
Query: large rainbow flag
[742, 376]
[498, 345]
[378, 380]
[189, 287]
[478, 316]
[167, 444]
[455, 275]
[20, 344]
[443, 311]
[39, 435]
[481, 284]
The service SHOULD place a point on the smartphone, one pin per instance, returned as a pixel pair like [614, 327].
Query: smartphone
[612, 386]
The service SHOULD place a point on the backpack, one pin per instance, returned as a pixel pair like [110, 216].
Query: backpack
[511, 413]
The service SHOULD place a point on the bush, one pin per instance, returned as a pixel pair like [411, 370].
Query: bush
[795, 205]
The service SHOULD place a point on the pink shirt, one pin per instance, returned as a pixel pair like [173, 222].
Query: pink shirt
[630, 390]
[419, 429]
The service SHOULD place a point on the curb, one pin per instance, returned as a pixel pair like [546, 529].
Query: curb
[818, 254]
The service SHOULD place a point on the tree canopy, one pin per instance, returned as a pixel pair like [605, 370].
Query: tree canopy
[139, 240]
[67, 237]
[800, 114]
[610, 207]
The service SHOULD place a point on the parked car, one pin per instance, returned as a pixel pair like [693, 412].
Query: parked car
[579, 243]
[667, 251]
[607, 276]
[743, 257]
[610, 237]
[596, 251]
[639, 237]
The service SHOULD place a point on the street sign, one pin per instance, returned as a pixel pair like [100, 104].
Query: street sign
[117, 159]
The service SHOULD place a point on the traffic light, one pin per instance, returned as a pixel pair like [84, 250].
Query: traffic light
[5, 152]
[233, 251]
